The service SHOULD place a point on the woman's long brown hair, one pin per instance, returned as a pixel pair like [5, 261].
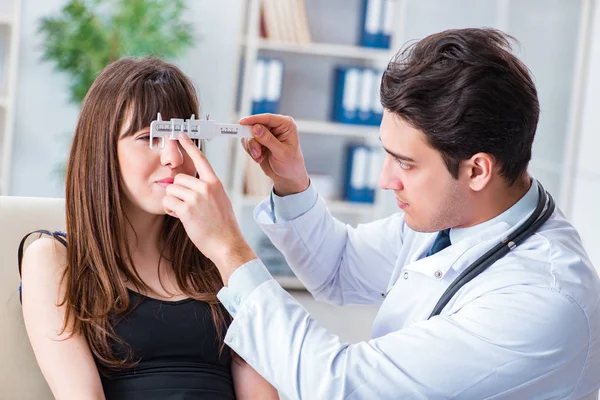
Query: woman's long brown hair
[98, 253]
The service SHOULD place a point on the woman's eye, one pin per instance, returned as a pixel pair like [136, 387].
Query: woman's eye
[156, 141]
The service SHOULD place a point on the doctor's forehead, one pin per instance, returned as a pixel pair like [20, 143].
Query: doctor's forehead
[397, 133]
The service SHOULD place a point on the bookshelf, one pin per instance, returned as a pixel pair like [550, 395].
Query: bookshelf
[9, 52]
[316, 129]
[320, 49]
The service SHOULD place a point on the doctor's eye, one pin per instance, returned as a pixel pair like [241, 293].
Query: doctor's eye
[402, 164]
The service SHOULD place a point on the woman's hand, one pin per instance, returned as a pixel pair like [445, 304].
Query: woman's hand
[203, 207]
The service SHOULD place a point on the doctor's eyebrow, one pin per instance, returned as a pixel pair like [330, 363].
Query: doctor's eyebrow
[396, 155]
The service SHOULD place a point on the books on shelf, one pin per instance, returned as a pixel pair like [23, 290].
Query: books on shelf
[268, 81]
[353, 100]
[356, 96]
[362, 173]
[377, 23]
[285, 21]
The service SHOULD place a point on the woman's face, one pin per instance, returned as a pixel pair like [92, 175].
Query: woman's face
[147, 172]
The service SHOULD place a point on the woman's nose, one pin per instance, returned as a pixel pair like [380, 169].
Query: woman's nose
[171, 154]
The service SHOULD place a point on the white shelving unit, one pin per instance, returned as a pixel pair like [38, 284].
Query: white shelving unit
[9, 52]
[253, 46]
[320, 49]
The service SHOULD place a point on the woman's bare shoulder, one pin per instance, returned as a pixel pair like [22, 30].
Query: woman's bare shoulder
[44, 261]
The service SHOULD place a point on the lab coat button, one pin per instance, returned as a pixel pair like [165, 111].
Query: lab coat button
[406, 275]
[437, 274]
[237, 300]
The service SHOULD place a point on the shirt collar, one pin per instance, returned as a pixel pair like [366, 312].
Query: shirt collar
[519, 211]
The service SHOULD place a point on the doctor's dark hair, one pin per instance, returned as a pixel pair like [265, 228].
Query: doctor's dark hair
[465, 90]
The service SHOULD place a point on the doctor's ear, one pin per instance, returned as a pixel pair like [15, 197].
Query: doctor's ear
[479, 170]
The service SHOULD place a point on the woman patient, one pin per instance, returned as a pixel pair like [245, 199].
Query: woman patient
[128, 309]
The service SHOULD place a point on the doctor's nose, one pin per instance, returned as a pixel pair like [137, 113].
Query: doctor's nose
[389, 178]
[171, 155]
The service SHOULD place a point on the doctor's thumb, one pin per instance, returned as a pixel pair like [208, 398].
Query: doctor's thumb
[264, 137]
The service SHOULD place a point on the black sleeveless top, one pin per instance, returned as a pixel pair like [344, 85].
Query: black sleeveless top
[178, 351]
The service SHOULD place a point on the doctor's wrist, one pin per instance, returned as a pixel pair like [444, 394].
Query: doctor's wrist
[283, 187]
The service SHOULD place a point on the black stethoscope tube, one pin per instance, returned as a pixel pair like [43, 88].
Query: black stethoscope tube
[526, 229]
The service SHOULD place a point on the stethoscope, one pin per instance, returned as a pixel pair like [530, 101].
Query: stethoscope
[526, 229]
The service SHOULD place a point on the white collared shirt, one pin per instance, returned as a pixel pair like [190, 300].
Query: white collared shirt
[527, 328]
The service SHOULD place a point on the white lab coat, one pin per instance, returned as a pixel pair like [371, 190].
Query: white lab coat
[527, 328]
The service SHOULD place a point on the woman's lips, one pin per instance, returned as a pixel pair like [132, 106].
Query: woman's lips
[165, 182]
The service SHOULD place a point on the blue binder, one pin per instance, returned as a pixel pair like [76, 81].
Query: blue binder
[376, 107]
[258, 90]
[347, 81]
[387, 22]
[274, 81]
[373, 21]
[365, 96]
[268, 81]
[358, 186]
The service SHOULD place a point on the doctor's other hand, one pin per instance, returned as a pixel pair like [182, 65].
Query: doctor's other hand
[204, 209]
[276, 148]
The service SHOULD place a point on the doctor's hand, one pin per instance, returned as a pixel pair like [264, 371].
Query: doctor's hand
[203, 207]
[276, 148]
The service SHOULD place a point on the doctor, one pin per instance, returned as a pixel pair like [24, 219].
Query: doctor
[460, 118]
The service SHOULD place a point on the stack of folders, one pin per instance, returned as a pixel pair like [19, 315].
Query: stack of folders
[377, 22]
[356, 96]
[285, 21]
[268, 79]
[362, 173]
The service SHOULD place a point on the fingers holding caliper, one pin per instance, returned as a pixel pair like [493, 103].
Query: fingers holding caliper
[194, 128]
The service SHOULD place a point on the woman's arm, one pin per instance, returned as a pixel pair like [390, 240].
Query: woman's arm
[249, 385]
[67, 364]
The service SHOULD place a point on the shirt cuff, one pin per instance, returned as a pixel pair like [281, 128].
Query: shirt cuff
[293, 206]
[242, 282]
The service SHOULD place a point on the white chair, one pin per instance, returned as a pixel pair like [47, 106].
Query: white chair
[20, 376]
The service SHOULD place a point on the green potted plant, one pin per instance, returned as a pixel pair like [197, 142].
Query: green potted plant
[87, 35]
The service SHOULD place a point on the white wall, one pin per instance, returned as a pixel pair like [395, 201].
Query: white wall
[43, 116]
[586, 193]
[45, 119]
